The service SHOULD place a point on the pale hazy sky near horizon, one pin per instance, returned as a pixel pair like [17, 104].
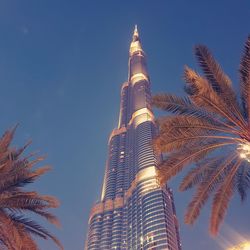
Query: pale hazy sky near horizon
[62, 64]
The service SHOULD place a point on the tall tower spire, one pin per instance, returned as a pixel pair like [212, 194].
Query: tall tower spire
[137, 60]
[135, 212]
[135, 45]
[136, 34]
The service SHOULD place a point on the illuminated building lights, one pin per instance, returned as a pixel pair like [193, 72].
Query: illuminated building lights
[138, 77]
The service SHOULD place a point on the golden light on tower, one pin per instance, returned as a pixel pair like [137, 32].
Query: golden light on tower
[243, 246]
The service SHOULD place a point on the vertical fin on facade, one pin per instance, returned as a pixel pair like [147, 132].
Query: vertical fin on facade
[104, 183]
[123, 106]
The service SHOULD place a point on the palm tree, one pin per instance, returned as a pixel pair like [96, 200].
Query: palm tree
[209, 128]
[16, 171]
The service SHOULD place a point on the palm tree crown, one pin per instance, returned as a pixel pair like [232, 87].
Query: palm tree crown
[211, 129]
[16, 171]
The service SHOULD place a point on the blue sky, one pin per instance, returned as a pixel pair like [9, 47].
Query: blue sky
[61, 67]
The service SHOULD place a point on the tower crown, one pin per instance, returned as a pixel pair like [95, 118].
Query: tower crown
[136, 34]
[135, 45]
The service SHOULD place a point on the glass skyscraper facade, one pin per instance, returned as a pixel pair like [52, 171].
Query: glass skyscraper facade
[135, 212]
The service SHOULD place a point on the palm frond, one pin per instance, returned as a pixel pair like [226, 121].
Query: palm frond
[48, 216]
[222, 198]
[200, 172]
[27, 201]
[207, 186]
[171, 103]
[183, 106]
[16, 171]
[34, 228]
[27, 242]
[169, 143]
[184, 125]
[19, 176]
[208, 119]
[243, 181]
[203, 95]
[220, 82]
[245, 79]
[212, 70]
[6, 139]
[7, 229]
[176, 161]
[187, 125]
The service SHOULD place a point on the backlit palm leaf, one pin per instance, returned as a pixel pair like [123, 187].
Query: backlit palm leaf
[198, 174]
[207, 186]
[245, 80]
[210, 129]
[220, 82]
[222, 198]
[243, 181]
[16, 171]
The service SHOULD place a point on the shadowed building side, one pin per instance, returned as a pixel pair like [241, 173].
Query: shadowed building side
[135, 212]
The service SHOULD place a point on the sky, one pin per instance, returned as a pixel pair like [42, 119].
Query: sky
[62, 63]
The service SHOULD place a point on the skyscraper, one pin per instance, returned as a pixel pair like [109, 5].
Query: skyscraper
[135, 212]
